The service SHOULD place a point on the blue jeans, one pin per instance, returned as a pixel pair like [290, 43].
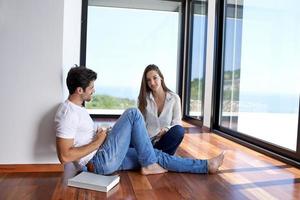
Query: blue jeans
[115, 154]
[170, 141]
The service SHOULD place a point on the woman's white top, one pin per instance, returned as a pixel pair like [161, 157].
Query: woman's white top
[169, 116]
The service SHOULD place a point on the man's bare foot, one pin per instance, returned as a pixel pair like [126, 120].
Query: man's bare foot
[153, 169]
[215, 162]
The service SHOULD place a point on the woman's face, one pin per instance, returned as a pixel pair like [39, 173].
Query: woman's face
[153, 80]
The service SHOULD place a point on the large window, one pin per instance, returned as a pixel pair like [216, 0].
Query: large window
[122, 38]
[197, 59]
[260, 84]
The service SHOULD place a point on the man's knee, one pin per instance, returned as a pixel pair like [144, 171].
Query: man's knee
[130, 110]
[133, 111]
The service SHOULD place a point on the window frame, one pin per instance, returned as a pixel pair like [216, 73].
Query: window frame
[186, 105]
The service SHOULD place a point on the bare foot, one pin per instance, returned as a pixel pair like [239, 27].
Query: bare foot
[215, 162]
[153, 169]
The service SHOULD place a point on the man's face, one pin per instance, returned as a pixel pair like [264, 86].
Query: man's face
[88, 93]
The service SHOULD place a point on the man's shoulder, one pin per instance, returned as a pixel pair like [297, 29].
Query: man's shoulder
[63, 108]
[66, 111]
[66, 121]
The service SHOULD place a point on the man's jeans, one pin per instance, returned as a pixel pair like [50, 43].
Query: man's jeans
[115, 154]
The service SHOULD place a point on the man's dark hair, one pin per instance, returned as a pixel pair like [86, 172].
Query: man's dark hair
[80, 76]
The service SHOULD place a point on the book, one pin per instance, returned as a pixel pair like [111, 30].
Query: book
[94, 181]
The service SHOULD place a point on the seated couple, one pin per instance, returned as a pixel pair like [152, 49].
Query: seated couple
[127, 146]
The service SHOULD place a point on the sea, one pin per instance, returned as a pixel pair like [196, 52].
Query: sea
[248, 102]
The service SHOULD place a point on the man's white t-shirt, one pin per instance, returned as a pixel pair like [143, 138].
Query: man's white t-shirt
[74, 122]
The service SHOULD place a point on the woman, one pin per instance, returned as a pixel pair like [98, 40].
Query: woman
[161, 110]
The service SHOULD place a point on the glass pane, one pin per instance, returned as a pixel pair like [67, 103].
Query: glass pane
[121, 42]
[198, 47]
[261, 73]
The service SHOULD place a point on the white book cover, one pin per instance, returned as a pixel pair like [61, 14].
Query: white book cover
[94, 181]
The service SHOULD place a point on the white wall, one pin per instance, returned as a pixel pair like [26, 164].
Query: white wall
[209, 64]
[33, 50]
[71, 37]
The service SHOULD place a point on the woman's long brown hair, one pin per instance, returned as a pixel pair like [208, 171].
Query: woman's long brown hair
[145, 90]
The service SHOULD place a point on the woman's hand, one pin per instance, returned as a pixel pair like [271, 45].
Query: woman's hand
[162, 132]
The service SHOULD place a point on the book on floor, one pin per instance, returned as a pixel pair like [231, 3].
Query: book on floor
[94, 181]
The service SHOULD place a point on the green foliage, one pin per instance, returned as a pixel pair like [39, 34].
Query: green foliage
[196, 89]
[231, 85]
[110, 102]
[228, 93]
[228, 74]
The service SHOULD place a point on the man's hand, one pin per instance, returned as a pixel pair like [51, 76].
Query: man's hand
[101, 135]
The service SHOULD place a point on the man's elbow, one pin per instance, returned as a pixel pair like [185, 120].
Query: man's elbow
[64, 159]
[63, 150]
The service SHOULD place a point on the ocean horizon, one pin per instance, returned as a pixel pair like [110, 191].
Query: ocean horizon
[250, 102]
[120, 92]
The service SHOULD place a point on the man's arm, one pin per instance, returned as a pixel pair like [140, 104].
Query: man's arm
[67, 152]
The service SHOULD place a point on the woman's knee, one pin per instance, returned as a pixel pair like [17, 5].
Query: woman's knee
[179, 130]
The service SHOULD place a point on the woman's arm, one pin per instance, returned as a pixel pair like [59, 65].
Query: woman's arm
[177, 116]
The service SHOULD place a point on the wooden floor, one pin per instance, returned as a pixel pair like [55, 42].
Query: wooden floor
[245, 174]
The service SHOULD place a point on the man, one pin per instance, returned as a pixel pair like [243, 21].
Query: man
[105, 152]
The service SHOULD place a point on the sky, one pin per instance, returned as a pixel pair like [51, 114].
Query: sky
[122, 42]
[271, 46]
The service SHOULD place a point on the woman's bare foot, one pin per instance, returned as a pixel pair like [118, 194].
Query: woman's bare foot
[215, 162]
[153, 169]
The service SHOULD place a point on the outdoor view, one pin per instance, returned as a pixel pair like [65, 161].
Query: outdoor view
[261, 71]
[121, 42]
[198, 59]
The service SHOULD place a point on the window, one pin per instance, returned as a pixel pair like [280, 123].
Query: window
[197, 59]
[122, 38]
[260, 71]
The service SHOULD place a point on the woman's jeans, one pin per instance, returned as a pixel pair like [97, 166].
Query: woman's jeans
[115, 153]
[170, 141]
